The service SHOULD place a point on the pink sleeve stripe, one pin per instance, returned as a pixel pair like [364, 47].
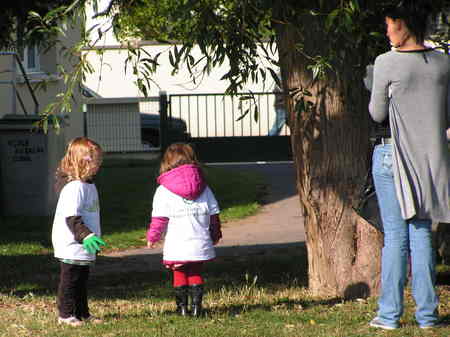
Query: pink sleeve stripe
[157, 226]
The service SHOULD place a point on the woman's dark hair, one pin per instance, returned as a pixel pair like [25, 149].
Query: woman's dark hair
[414, 13]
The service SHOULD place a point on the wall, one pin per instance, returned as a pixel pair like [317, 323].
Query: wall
[28, 161]
[5, 89]
[49, 62]
[111, 80]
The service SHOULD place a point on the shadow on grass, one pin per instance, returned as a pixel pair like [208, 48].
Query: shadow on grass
[268, 266]
[235, 310]
[290, 305]
[24, 274]
[134, 275]
[272, 267]
[443, 278]
[445, 320]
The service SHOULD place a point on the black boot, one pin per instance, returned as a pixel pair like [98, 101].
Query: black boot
[181, 298]
[196, 292]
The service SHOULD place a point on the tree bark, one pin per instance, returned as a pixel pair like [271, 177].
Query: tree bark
[330, 146]
[441, 241]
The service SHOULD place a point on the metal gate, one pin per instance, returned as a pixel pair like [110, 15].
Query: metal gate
[229, 128]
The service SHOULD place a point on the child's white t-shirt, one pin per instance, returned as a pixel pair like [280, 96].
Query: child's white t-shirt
[77, 198]
[187, 237]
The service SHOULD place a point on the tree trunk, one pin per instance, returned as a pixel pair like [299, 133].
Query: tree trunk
[330, 146]
[441, 241]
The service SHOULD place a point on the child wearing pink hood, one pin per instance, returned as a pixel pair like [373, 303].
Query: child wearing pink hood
[185, 209]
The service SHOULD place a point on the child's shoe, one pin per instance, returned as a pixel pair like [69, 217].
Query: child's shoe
[181, 299]
[196, 291]
[92, 319]
[72, 321]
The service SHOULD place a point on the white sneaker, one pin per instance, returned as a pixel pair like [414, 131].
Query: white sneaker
[376, 323]
[72, 321]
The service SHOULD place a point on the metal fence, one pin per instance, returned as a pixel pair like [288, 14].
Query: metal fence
[220, 115]
[115, 123]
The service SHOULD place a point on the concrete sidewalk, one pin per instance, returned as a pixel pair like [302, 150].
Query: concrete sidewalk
[279, 220]
[277, 224]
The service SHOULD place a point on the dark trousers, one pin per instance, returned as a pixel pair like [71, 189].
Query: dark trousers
[72, 291]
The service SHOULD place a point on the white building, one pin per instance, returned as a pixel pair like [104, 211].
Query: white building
[111, 80]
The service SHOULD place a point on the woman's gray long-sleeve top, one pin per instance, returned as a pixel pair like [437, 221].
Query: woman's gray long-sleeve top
[411, 87]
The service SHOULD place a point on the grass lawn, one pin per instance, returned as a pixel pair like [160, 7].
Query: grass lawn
[258, 295]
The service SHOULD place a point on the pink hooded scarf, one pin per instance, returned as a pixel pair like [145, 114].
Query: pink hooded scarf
[186, 181]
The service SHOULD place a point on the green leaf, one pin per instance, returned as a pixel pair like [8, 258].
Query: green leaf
[71, 7]
[191, 60]
[243, 115]
[316, 71]
[255, 113]
[244, 98]
[275, 77]
[45, 125]
[176, 54]
[99, 33]
[34, 15]
[331, 18]
[376, 34]
[348, 20]
[354, 5]
[171, 60]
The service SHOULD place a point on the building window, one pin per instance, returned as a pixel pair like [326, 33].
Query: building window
[30, 58]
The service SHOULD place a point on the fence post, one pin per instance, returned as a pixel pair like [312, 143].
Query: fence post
[85, 126]
[163, 127]
[14, 87]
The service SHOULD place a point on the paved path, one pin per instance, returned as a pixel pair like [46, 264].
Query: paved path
[278, 223]
[279, 220]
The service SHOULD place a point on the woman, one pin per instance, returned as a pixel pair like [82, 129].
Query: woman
[410, 168]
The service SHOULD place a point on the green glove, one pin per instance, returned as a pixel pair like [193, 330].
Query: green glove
[92, 243]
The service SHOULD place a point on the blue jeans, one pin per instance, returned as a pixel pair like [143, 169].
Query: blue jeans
[402, 238]
[280, 120]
